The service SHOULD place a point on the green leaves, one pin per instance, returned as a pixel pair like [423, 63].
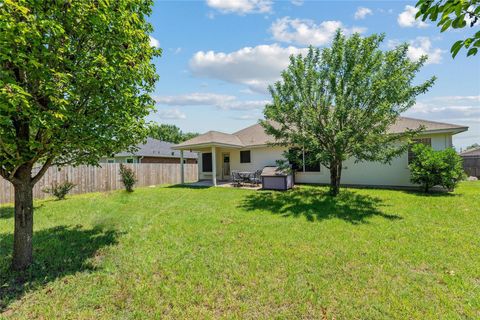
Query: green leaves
[431, 168]
[75, 79]
[472, 51]
[169, 133]
[456, 47]
[454, 14]
[340, 102]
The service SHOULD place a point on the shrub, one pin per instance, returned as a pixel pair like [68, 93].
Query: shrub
[60, 190]
[127, 176]
[431, 168]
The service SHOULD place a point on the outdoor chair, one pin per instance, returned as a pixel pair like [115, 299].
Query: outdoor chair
[257, 177]
[236, 179]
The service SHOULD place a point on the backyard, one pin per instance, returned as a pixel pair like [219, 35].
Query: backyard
[179, 252]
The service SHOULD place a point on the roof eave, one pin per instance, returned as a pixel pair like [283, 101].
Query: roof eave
[206, 145]
[449, 130]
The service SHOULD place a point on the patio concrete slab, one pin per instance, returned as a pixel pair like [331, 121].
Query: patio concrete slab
[223, 184]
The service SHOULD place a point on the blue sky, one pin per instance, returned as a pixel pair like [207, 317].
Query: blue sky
[220, 55]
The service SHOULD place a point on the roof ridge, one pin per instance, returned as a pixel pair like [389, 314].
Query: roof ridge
[210, 131]
[250, 126]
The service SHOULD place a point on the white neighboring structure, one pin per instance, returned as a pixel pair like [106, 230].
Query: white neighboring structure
[249, 150]
[152, 151]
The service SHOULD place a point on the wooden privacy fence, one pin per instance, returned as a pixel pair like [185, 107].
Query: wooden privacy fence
[471, 165]
[104, 178]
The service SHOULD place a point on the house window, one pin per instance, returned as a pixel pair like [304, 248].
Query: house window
[295, 158]
[110, 160]
[425, 141]
[129, 160]
[311, 166]
[207, 162]
[245, 156]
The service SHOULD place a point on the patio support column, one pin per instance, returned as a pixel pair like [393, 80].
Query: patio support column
[182, 168]
[198, 165]
[214, 166]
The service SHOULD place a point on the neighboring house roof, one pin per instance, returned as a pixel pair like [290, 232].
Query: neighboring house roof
[255, 135]
[157, 148]
[471, 152]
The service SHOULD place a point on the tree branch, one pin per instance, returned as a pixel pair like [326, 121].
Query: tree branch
[42, 171]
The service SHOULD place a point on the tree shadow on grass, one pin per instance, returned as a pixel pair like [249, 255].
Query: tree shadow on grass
[317, 205]
[432, 193]
[7, 212]
[58, 252]
[188, 186]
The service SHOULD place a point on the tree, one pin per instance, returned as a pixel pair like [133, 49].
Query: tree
[339, 103]
[75, 78]
[169, 133]
[431, 168]
[454, 14]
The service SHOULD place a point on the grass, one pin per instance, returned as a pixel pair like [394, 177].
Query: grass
[176, 252]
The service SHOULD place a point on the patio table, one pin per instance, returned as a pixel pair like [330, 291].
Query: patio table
[245, 175]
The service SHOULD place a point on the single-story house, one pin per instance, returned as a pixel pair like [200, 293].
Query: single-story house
[152, 151]
[250, 149]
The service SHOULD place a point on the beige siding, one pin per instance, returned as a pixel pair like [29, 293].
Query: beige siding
[362, 173]
[260, 157]
[374, 173]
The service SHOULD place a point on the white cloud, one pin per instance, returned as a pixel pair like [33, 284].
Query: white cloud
[195, 99]
[222, 101]
[246, 105]
[247, 117]
[407, 19]
[154, 42]
[297, 2]
[389, 11]
[362, 13]
[241, 6]
[170, 114]
[423, 46]
[255, 67]
[307, 32]
[418, 47]
[468, 105]
[461, 110]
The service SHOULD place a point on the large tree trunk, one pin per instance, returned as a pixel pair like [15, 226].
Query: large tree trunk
[335, 176]
[22, 242]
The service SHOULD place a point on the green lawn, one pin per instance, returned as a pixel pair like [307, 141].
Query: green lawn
[172, 252]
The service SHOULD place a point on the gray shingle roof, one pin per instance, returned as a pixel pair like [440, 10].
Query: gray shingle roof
[213, 137]
[405, 123]
[157, 148]
[255, 135]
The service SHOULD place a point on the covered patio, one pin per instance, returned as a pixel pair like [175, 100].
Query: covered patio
[246, 151]
[214, 149]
